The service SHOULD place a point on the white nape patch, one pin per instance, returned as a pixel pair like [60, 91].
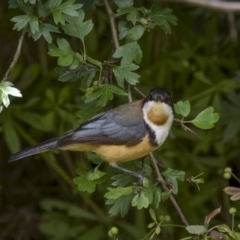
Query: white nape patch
[161, 132]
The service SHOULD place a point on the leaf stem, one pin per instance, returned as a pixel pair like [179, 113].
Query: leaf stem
[84, 50]
[173, 225]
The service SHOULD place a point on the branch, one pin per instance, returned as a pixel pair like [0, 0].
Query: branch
[139, 92]
[112, 24]
[163, 183]
[214, 4]
[185, 127]
[15, 57]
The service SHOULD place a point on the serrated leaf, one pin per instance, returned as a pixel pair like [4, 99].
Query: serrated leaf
[104, 94]
[140, 201]
[77, 28]
[196, 229]
[205, 119]
[121, 179]
[115, 193]
[182, 108]
[163, 19]
[84, 184]
[34, 25]
[129, 52]
[172, 176]
[64, 52]
[44, 30]
[21, 22]
[126, 72]
[120, 205]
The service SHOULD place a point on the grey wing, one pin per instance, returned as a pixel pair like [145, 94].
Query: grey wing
[123, 125]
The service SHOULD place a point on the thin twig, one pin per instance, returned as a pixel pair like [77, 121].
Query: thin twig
[185, 127]
[129, 94]
[232, 27]
[139, 92]
[163, 183]
[112, 24]
[213, 4]
[15, 57]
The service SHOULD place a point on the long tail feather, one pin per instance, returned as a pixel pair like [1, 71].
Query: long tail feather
[41, 147]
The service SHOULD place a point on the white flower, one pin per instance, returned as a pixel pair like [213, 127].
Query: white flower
[5, 90]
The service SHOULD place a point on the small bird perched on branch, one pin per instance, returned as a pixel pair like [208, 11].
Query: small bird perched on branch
[125, 133]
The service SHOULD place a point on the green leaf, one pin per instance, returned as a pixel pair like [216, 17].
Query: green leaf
[115, 193]
[182, 108]
[205, 119]
[123, 3]
[165, 195]
[21, 22]
[11, 136]
[34, 25]
[125, 72]
[129, 52]
[121, 179]
[157, 196]
[93, 61]
[84, 184]
[163, 19]
[172, 175]
[196, 229]
[133, 16]
[140, 201]
[77, 28]
[136, 32]
[94, 158]
[120, 205]
[87, 77]
[95, 175]
[64, 52]
[44, 30]
[104, 94]
[54, 3]
[123, 28]
[153, 215]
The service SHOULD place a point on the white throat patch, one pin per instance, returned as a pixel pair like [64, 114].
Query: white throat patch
[161, 131]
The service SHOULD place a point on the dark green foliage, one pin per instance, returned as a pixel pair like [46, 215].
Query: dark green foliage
[197, 61]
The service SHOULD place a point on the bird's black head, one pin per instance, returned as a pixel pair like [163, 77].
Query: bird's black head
[159, 95]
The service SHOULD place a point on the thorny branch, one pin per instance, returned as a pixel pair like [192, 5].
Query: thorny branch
[163, 183]
[15, 57]
[217, 5]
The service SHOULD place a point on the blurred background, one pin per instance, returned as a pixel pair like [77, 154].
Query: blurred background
[198, 62]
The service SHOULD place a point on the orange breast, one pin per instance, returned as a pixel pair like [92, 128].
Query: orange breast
[113, 154]
[157, 115]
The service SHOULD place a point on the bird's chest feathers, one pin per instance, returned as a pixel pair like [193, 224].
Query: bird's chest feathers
[159, 117]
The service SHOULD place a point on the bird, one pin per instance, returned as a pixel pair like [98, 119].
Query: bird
[125, 133]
